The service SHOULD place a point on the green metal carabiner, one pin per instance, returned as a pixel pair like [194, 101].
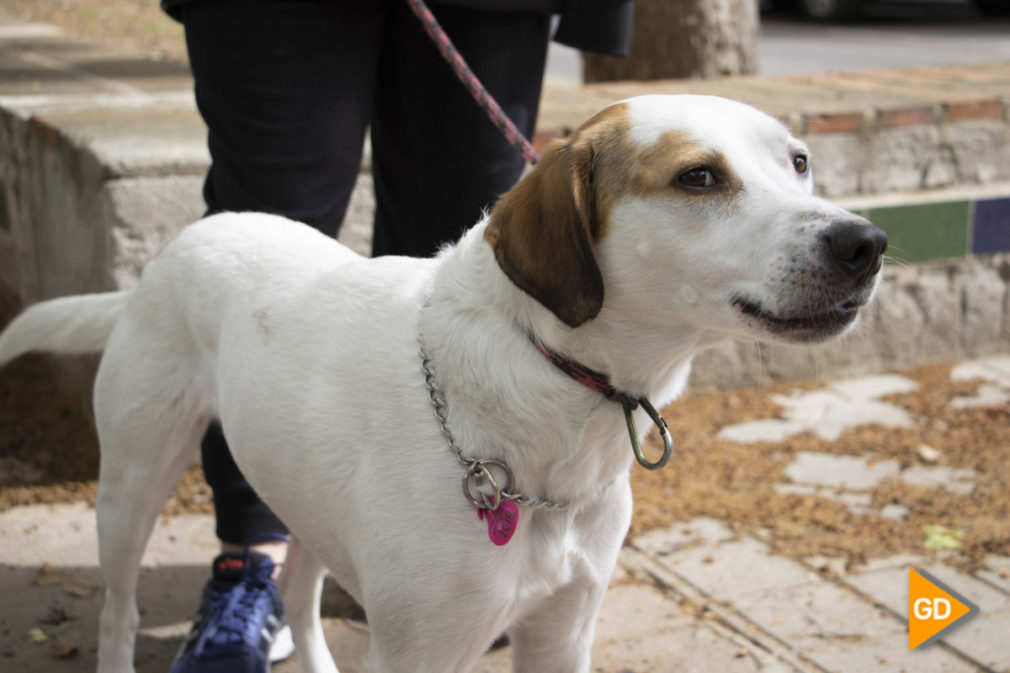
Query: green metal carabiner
[663, 432]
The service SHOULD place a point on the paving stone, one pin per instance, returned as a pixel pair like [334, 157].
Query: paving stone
[28, 30]
[858, 502]
[665, 541]
[820, 609]
[982, 638]
[889, 587]
[871, 387]
[66, 535]
[828, 412]
[897, 561]
[693, 647]
[641, 629]
[998, 572]
[894, 512]
[828, 415]
[348, 643]
[987, 395]
[959, 481]
[790, 488]
[982, 594]
[797, 489]
[836, 565]
[810, 407]
[850, 472]
[768, 430]
[887, 654]
[995, 369]
[632, 609]
[731, 569]
[57, 534]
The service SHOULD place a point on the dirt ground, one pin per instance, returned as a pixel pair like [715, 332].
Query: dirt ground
[48, 450]
[736, 483]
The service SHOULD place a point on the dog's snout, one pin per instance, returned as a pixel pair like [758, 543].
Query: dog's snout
[856, 246]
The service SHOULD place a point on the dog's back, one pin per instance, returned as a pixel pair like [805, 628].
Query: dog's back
[83, 323]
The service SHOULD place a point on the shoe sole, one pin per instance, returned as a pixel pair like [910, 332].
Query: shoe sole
[283, 645]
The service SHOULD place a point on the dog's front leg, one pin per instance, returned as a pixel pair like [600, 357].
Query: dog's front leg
[558, 637]
[301, 587]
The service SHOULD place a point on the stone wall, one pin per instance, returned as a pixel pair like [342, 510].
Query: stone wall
[881, 159]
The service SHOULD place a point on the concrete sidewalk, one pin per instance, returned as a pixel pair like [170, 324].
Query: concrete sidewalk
[693, 597]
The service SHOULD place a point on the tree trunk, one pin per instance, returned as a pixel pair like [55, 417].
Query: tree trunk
[684, 39]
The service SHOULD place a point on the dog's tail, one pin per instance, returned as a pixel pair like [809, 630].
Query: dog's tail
[77, 324]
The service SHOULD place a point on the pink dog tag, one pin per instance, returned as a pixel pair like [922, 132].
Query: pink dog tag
[501, 522]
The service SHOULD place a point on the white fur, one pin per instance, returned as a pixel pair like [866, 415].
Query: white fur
[308, 354]
[78, 324]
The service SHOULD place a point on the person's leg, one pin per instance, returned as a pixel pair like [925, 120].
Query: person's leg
[285, 89]
[437, 159]
[239, 512]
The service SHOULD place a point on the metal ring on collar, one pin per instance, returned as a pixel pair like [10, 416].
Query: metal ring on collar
[476, 473]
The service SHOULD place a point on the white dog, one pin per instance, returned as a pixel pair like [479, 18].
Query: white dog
[662, 226]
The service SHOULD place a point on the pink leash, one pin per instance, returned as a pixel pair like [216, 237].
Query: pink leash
[470, 81]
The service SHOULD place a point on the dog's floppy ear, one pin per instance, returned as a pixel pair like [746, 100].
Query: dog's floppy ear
[543, 232]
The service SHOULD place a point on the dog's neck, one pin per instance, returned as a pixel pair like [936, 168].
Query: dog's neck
[474, 301]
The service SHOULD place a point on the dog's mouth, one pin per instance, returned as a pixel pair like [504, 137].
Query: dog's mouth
[815, 324]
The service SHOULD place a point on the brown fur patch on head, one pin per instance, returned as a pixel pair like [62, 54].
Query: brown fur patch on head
[545, 229]
[625, 169]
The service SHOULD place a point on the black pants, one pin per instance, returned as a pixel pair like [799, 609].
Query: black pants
[288, 88]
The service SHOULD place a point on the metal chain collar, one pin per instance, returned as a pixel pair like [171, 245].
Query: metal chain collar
[478, 470]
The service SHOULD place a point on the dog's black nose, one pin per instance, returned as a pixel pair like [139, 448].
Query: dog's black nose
[856, 246]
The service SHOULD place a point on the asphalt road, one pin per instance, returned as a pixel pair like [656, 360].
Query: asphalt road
[895, 34]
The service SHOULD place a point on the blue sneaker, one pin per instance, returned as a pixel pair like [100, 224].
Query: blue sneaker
[240, 625]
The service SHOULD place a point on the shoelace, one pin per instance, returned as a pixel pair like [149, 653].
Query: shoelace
[233, 607]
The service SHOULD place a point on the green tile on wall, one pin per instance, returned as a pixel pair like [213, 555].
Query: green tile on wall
[925, 231]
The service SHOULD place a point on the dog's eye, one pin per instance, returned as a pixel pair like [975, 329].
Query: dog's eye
[800, 163]
[697, 178]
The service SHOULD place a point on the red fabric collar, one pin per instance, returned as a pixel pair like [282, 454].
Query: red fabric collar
[590, 378]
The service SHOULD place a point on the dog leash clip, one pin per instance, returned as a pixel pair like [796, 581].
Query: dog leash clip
[477, 472]
[664, 433]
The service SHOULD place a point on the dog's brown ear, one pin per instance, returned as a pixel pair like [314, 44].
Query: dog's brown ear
[543, 233]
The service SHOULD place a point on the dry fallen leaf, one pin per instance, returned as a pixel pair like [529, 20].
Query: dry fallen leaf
[80, 591]
[47, 577]
[61, 648]
[941, 538]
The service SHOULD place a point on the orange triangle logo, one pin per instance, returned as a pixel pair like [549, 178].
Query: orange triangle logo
[933, 608]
